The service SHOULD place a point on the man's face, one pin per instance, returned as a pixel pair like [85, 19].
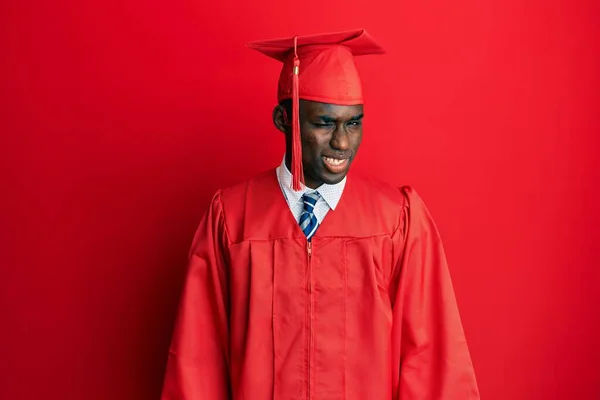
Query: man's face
[331, 135]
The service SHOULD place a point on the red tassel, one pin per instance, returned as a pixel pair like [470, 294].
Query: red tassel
[297, 170]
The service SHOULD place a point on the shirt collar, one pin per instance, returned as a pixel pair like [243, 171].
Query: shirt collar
[330, 193]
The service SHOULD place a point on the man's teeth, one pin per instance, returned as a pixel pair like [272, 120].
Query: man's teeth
[333, 161]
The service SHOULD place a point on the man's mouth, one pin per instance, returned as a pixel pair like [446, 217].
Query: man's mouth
[335, 165]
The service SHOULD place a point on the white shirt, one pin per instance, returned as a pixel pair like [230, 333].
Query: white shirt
[330, 194]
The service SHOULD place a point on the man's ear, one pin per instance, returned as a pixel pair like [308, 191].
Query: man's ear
[280, 118]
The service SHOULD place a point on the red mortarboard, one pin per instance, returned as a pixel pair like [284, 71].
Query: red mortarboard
[317, 68]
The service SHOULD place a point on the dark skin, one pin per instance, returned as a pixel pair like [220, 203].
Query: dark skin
[327, 131]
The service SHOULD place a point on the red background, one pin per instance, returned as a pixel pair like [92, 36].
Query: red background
[119, 119]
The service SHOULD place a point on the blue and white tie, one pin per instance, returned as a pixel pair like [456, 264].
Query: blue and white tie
[308, 220]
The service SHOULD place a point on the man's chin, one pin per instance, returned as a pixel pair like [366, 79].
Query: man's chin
[323, 176]
[332, 179]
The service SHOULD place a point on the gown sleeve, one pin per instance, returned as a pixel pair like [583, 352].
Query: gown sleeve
[430, 351]
[197, 366]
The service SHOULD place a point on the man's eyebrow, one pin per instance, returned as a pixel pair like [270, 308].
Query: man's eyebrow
[327, 118]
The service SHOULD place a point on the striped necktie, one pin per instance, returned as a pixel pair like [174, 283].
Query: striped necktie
[308, 220]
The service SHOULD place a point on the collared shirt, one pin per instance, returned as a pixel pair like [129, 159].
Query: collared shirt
[330, 194]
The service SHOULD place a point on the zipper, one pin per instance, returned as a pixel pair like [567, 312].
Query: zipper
[309, 251]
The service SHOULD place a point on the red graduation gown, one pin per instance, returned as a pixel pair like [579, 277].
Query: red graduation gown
[368, 313]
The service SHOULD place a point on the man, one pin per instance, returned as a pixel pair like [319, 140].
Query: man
[306, 283]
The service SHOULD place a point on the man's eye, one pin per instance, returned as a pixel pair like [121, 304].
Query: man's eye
[323, 124]
[354, 123]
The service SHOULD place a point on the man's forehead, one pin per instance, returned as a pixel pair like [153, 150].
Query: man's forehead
[331, 110]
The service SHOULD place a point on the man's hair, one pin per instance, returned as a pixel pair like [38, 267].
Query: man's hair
[287, 106]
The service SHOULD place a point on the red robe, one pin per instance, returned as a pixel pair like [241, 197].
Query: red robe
[367, 312]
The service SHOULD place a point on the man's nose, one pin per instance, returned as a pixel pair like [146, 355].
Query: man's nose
[339, 140]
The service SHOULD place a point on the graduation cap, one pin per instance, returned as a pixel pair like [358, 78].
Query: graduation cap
[317, 68]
